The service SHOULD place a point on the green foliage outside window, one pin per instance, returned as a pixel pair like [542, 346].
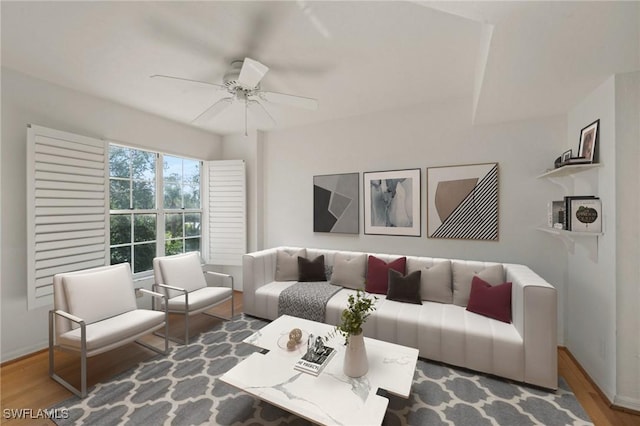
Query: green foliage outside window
[134, 213]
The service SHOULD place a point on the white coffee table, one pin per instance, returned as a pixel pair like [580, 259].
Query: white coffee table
[331, 398]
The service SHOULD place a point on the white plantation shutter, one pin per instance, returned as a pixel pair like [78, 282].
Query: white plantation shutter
[67, 207]
[227, 212]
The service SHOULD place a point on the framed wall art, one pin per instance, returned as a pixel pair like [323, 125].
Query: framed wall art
[462, 202]
[588, 142]
[392, 202]
[336, 207]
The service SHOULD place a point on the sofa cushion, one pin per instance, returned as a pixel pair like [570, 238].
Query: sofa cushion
[311, 270]
[287, 264]
[463, 273]
[349, 270]
[378, 273]
[97, 295]
[490, 301]
[435, 279]
[404, 288]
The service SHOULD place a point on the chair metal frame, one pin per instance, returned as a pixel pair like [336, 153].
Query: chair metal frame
[82, 392]
[187, 313]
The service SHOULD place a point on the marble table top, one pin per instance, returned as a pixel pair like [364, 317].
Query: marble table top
[332, 398]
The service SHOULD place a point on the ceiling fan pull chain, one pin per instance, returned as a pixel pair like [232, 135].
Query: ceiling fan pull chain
[246, 112]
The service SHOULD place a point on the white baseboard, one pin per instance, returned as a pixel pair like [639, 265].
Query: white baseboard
[9, 356]
[624, 402]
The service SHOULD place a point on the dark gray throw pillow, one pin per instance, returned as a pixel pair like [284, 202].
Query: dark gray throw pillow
[404, 288]
[311, 270]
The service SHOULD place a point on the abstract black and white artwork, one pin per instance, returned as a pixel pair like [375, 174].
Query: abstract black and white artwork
[462, 202]
[335, 203]
[392, 202]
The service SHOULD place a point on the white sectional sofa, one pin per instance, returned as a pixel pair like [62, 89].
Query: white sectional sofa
[524, 350]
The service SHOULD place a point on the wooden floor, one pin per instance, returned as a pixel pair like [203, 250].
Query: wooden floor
[25, 383]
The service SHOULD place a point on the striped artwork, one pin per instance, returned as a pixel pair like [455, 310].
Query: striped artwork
[462, 202]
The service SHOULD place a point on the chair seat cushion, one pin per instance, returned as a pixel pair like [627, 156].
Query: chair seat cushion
[113, 331]
[201, 298]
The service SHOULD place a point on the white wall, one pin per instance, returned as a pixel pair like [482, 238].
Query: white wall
[591, 288]
[603, 308]
[627, 107]
[420, 137]
[26, 100]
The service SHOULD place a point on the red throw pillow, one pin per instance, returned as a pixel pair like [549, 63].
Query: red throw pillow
[490, 301]
[378, 273]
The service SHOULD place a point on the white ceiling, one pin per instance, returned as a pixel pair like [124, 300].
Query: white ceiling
[514, 59]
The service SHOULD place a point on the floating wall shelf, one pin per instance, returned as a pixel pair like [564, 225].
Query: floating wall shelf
[589, 240]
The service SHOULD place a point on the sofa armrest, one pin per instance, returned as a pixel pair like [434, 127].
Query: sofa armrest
[258, 269]
[534, 306]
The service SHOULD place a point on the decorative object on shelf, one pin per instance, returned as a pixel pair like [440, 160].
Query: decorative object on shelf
[316, 358]
[462, 202]
[589, 142]
[353, 317]
[586, 215]
[566, 156]
[392, 202]
[336, 206]
[568, 214]
[555, 213]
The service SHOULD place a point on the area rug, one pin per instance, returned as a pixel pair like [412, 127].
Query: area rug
[181, 389]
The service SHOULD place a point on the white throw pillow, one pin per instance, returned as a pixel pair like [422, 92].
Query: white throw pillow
[463, 273]
[349, 270]
[287, 264]
[97, 295]
[184, 271]
[435, 279]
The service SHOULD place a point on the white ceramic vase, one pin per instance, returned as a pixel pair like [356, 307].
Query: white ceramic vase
[355, 357]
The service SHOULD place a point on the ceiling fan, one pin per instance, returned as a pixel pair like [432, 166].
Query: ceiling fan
[242, 84]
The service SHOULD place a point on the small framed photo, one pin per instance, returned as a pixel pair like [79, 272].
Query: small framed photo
[566, 156]
[588, 141]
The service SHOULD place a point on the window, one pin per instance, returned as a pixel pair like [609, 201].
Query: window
[143, 226]
[182, 206]
[133, 212]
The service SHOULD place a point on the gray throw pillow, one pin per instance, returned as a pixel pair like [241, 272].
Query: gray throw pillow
[463, 273]
[435, 279]
[287, 264]
[404, 288]
[349, 270]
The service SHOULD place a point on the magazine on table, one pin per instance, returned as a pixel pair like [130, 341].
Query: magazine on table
[313, 362]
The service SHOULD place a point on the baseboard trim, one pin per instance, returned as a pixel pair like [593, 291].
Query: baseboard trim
[630, 406]
[19, 356]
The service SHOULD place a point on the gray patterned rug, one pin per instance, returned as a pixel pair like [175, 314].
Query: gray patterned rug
[181, 389]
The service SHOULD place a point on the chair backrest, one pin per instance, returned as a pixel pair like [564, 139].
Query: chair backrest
[93, 294]
[180, 270]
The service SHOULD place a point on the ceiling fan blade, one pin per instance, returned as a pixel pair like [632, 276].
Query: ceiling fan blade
[160, 76]
[290, 100]
[259, 110]
[213, 110]
[251, 73]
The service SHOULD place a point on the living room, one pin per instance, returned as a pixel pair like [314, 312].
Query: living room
[518, 105]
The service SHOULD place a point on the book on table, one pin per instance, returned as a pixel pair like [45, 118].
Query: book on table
[314, 362]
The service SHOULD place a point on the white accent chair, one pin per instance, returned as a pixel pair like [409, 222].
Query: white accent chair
[95, 311]
[182, 278]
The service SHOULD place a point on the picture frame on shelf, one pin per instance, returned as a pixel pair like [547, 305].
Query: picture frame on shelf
[589, 142]
[392, 202]
[586, 215]
[568, 213]
[566, 156]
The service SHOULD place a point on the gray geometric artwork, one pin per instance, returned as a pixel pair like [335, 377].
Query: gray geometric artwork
[335, 203]
[183, 389]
